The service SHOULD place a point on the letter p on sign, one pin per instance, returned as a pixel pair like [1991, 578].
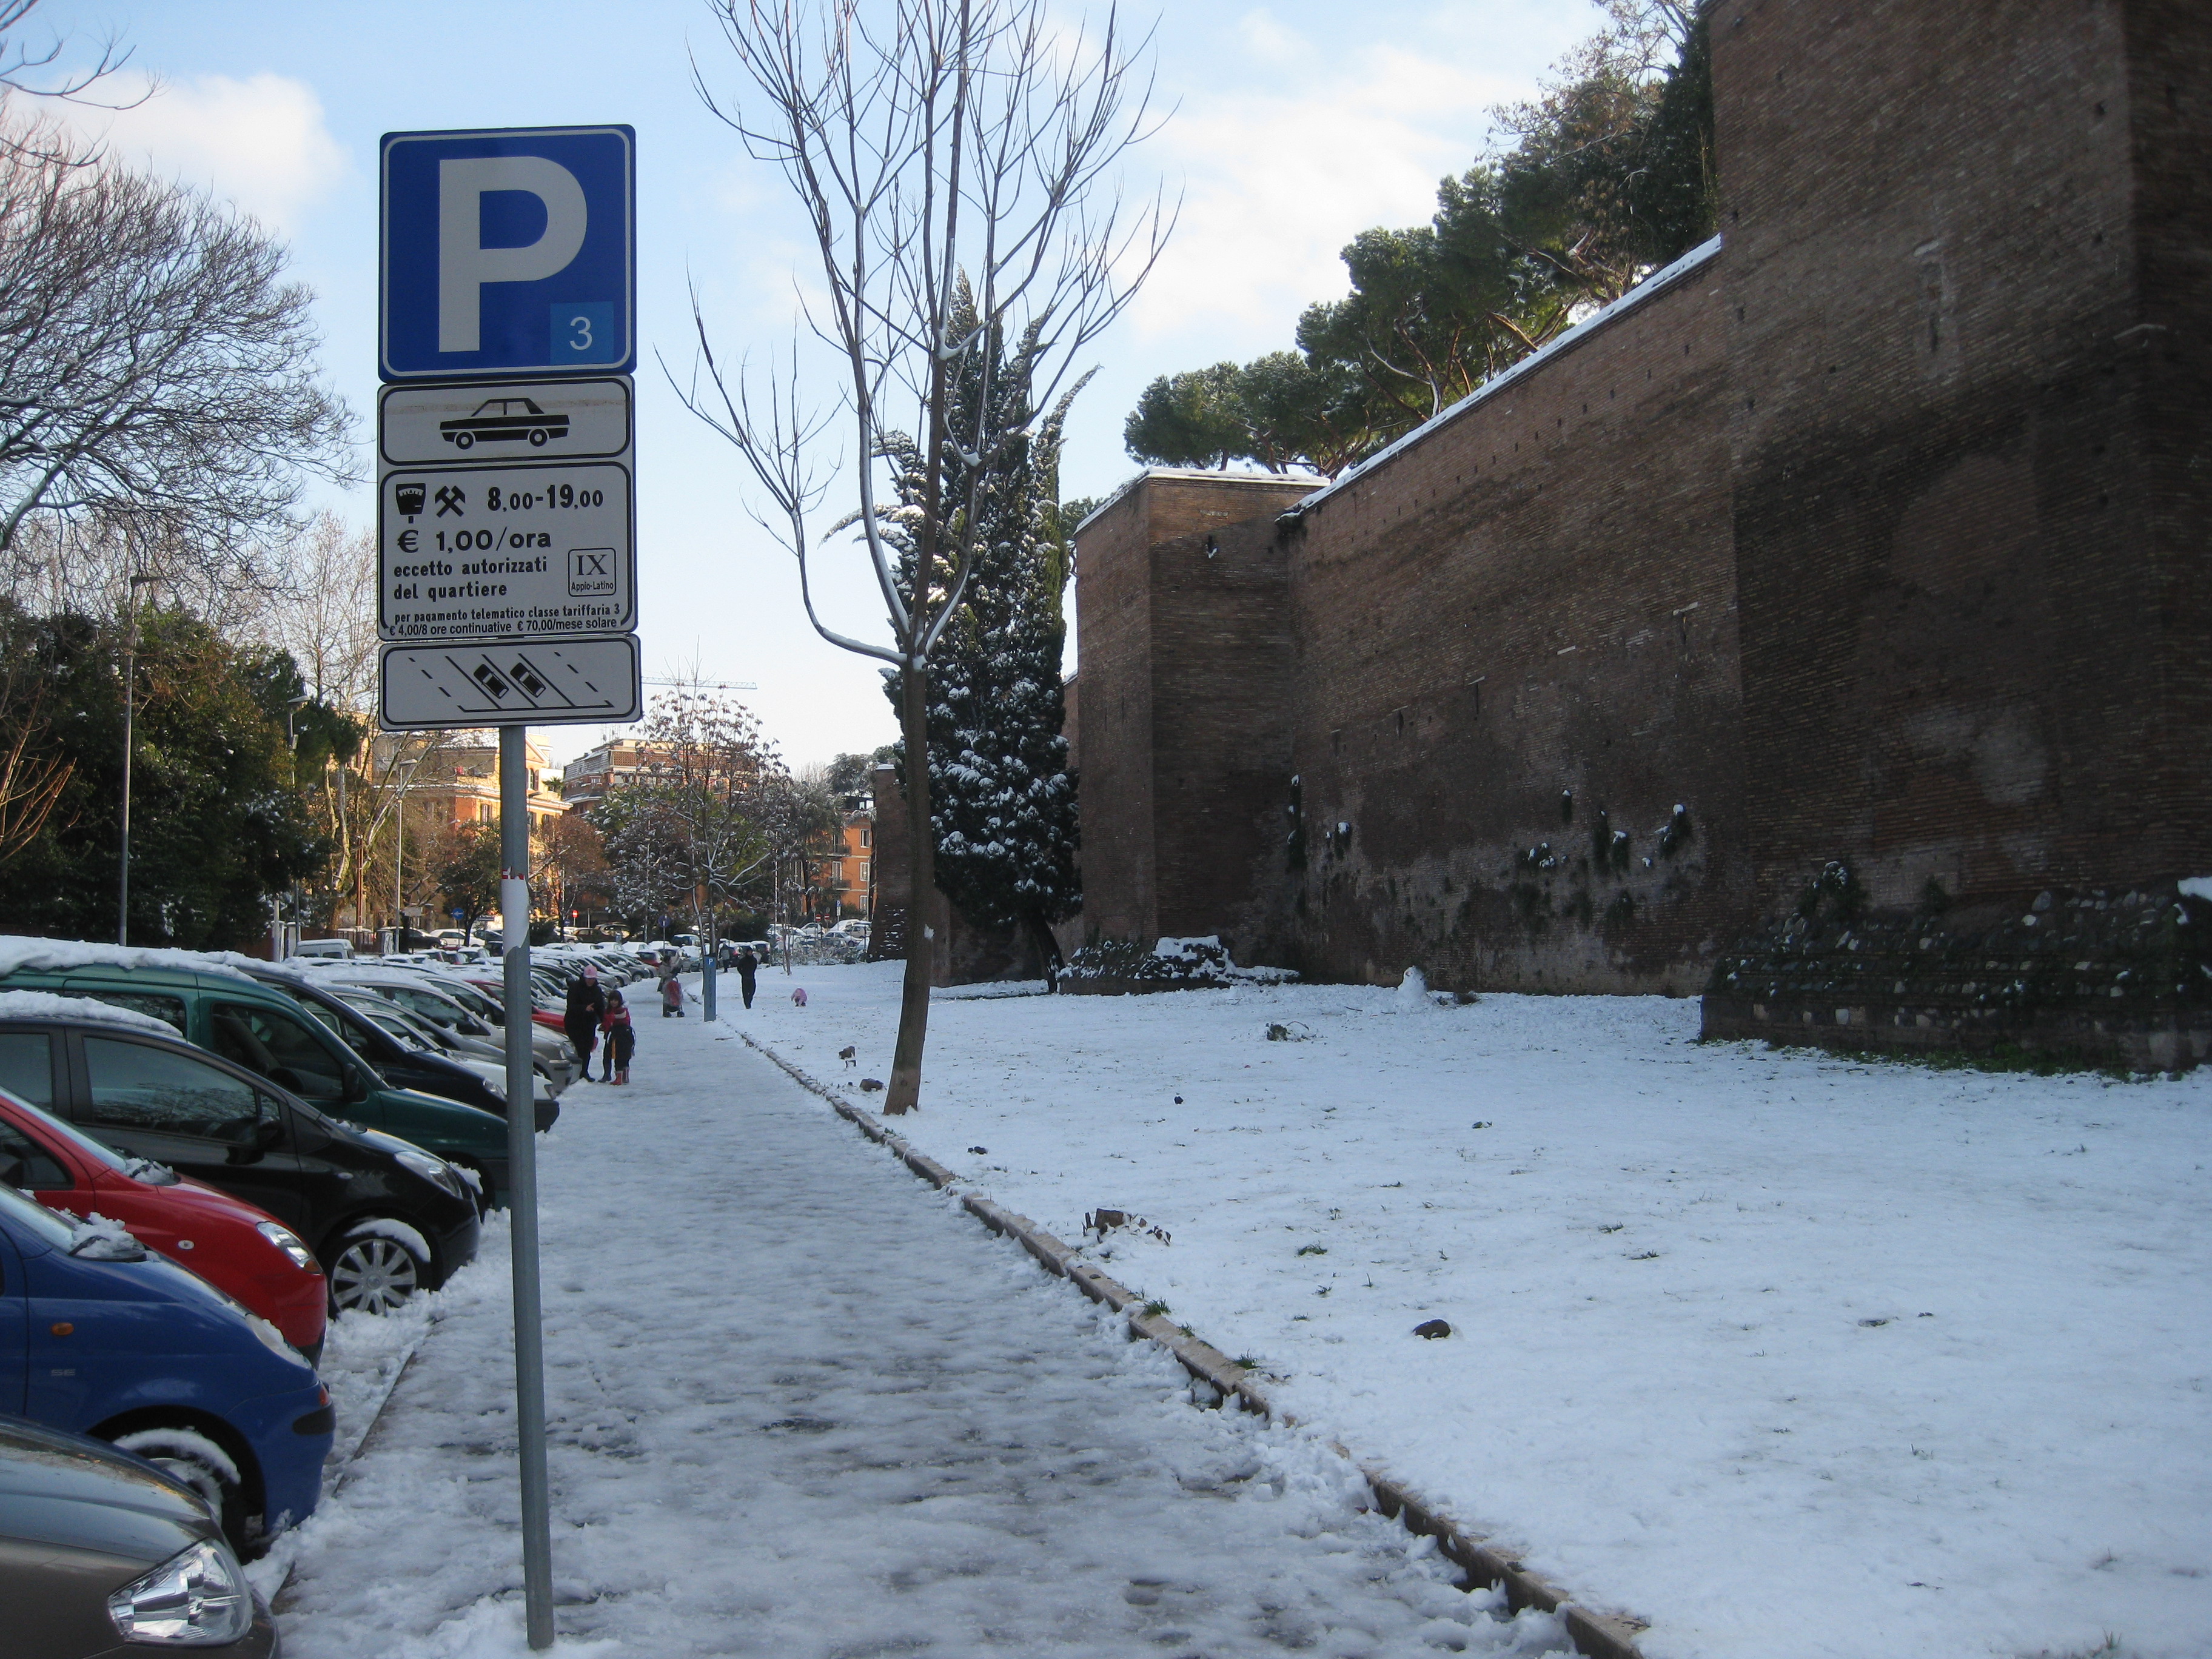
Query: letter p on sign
[508, 252]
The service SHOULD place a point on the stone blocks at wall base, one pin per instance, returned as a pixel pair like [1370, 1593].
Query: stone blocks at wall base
[1114, 967]
[2119, 979]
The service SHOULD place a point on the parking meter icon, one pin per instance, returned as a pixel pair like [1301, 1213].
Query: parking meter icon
[409, 498]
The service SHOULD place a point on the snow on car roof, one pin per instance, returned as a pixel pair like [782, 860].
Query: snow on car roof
[46, 1005]
[60, 954]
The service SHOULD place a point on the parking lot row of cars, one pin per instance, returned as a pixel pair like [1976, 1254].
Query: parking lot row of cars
[203, 1158]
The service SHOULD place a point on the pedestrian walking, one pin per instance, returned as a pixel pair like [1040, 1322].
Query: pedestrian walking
[747, 965]
[579, 1019]
[672, 997]
[622, 1038]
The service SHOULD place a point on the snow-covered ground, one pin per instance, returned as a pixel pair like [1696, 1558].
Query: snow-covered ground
[802, 1406]
[1783, 1352]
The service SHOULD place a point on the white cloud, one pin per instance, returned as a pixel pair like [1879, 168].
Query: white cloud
[1282, 167]
[261, 141]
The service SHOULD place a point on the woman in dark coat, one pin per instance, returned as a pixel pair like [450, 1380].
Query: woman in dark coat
[586, 1006]
[747, 965]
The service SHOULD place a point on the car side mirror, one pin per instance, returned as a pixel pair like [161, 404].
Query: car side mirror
[12, 1172]
[268, 1133]
[356, 1089]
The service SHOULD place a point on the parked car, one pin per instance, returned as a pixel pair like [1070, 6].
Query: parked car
[244, 1252]
[383, 1216]
[395, 1054]
[99, 1547]
[473, 1022]
[335, 949]
[259, 1027]
[116, 1342]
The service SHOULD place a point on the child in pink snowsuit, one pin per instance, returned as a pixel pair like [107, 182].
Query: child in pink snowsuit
[671, 998]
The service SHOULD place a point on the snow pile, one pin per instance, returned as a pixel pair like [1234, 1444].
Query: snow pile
[101, 1238]
[50, 956]
[1115, 967]
[1787, 1352]
[47, 1005]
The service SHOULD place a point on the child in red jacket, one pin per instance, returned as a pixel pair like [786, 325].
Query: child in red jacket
[622, 1037]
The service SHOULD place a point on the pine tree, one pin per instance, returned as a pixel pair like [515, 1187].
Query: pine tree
[1002, 799]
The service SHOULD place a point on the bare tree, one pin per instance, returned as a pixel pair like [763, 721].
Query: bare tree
[933, 145]
[156, 370]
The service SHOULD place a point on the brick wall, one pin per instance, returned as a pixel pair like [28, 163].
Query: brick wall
[1970, 552]
[1877, 537]
[1184, 649]
[1517, 645]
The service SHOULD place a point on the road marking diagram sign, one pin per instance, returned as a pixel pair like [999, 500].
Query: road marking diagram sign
[555, 683]
[488, 553]
[508, 250]
[503, 420]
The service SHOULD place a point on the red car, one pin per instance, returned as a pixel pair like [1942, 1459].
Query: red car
[540, 1013]
[243, 1252]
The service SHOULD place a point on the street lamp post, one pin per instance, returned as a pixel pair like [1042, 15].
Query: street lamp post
[130, 709]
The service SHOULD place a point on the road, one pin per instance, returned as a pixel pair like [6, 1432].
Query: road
[800, 1405]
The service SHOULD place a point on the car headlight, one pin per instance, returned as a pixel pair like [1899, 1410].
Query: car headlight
[198, 1598]
[436, 1170]
[288, 1241]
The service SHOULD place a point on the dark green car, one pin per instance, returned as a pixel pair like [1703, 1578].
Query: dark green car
[264, 1030]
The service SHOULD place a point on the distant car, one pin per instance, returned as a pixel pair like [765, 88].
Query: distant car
[504, 421]
[98, 1548]
[338, 948]
[118, 1343]
[244, 1252]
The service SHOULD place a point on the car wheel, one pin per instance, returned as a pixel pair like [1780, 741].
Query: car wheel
[538, 437]
[463, 440]
[189, 1456]
[373, 1274]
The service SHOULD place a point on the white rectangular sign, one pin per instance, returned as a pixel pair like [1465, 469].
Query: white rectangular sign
[505, 420]
[547, 682]
[514, 552]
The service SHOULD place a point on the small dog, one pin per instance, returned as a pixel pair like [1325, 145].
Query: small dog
[847, 1053]
[799, 995]
[869, 1084]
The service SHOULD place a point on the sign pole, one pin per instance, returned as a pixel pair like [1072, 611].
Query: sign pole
[522, 1185]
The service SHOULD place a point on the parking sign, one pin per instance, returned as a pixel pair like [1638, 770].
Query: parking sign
[508, 252]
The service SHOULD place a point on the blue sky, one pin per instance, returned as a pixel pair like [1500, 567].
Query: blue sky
[1290, 131]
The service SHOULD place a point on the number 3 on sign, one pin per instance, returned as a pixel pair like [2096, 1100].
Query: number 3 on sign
[585, 333]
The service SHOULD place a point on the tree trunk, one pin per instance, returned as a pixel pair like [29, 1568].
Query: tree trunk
[1047, 947]
[904, 1094]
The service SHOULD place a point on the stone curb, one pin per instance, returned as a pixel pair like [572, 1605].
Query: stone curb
[1599, 1634]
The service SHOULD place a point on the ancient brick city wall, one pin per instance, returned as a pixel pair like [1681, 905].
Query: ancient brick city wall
[1184, 632]
[1964, 294]
[1875, 540]
[1517, 656]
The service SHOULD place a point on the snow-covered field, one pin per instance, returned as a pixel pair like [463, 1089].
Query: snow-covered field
[802, 1406]
[1785, 1353]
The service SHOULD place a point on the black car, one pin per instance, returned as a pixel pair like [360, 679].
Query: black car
[505, 420]
[384, 1217]
[101, 1554]
[397, 1064]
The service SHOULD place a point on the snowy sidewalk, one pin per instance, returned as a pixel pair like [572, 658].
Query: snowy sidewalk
[801, 1406]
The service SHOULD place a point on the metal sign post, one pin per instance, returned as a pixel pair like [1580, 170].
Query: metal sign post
[506, 587]
[522, 1184]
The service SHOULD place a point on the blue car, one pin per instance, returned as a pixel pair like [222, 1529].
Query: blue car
[100, 1337]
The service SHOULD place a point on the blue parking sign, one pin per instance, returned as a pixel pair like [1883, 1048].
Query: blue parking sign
[508, 250]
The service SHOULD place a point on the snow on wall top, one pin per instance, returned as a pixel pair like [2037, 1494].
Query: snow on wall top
[1656, 283]
[1201, 475]
[45, 1005]
[60, 954]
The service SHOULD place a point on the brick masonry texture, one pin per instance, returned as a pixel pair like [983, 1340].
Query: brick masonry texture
[1876, 539]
